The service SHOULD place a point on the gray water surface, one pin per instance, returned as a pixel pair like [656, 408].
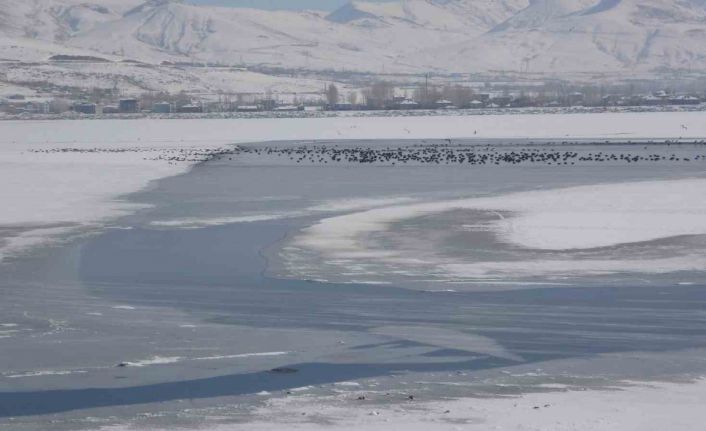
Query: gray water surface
[186, 309]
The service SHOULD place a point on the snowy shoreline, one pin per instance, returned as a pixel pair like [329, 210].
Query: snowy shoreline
[48, 195]
[370, 113]
[626, 406]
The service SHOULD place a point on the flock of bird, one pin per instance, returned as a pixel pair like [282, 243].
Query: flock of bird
[171, 155]
[435, 154]
[448, 155]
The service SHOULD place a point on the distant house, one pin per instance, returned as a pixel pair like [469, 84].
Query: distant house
[611, 100]
[268, 104]
[85, 108]
[576, 98]
[162, 108]
[111, 109]
[521, 102]
[289, 108]
[501, 101]
[343, 106]
[129, 106]
[408, 104]
[247, 108]
[189, 109]
[478, 104]
[33, 108]
[442, 104]
[633, 100]
[653, 100]
[483, 97]
[685, 100]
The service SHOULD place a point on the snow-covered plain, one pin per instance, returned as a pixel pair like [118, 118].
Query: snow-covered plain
[79, 190]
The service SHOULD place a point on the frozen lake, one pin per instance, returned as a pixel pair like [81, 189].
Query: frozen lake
[374, 268]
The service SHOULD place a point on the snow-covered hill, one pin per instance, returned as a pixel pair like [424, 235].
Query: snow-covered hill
[555, 37]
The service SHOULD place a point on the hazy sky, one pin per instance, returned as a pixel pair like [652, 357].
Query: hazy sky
[277, 4]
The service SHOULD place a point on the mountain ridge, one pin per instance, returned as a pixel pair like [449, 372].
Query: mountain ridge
[552, 37]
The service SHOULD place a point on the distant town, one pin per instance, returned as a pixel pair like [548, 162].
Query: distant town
[376, 96]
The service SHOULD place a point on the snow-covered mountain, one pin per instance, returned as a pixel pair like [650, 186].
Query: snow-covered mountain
[541, 12]
[573, 36]
[52, 20]
[540, 36]
[446, 15]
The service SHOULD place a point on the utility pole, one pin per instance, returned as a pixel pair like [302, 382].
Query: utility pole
[525, 66]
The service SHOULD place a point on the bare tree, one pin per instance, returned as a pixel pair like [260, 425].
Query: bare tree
[332, 94]
[379, 94]
[353, 97]
[461, 96]
[59, 106]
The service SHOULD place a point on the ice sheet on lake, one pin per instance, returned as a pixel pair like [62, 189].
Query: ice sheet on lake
[570, 219]
[448, 339]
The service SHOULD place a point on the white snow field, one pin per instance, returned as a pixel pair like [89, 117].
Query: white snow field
[46, 195]
[638, 407]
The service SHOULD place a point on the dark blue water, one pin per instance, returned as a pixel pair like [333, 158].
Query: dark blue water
[217, 273]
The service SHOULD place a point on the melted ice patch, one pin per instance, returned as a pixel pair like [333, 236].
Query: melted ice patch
[155, 360]
[44, 373]
[343, 205]
[241, 355]
[339, 205]
[165, 360]
[197, 223]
